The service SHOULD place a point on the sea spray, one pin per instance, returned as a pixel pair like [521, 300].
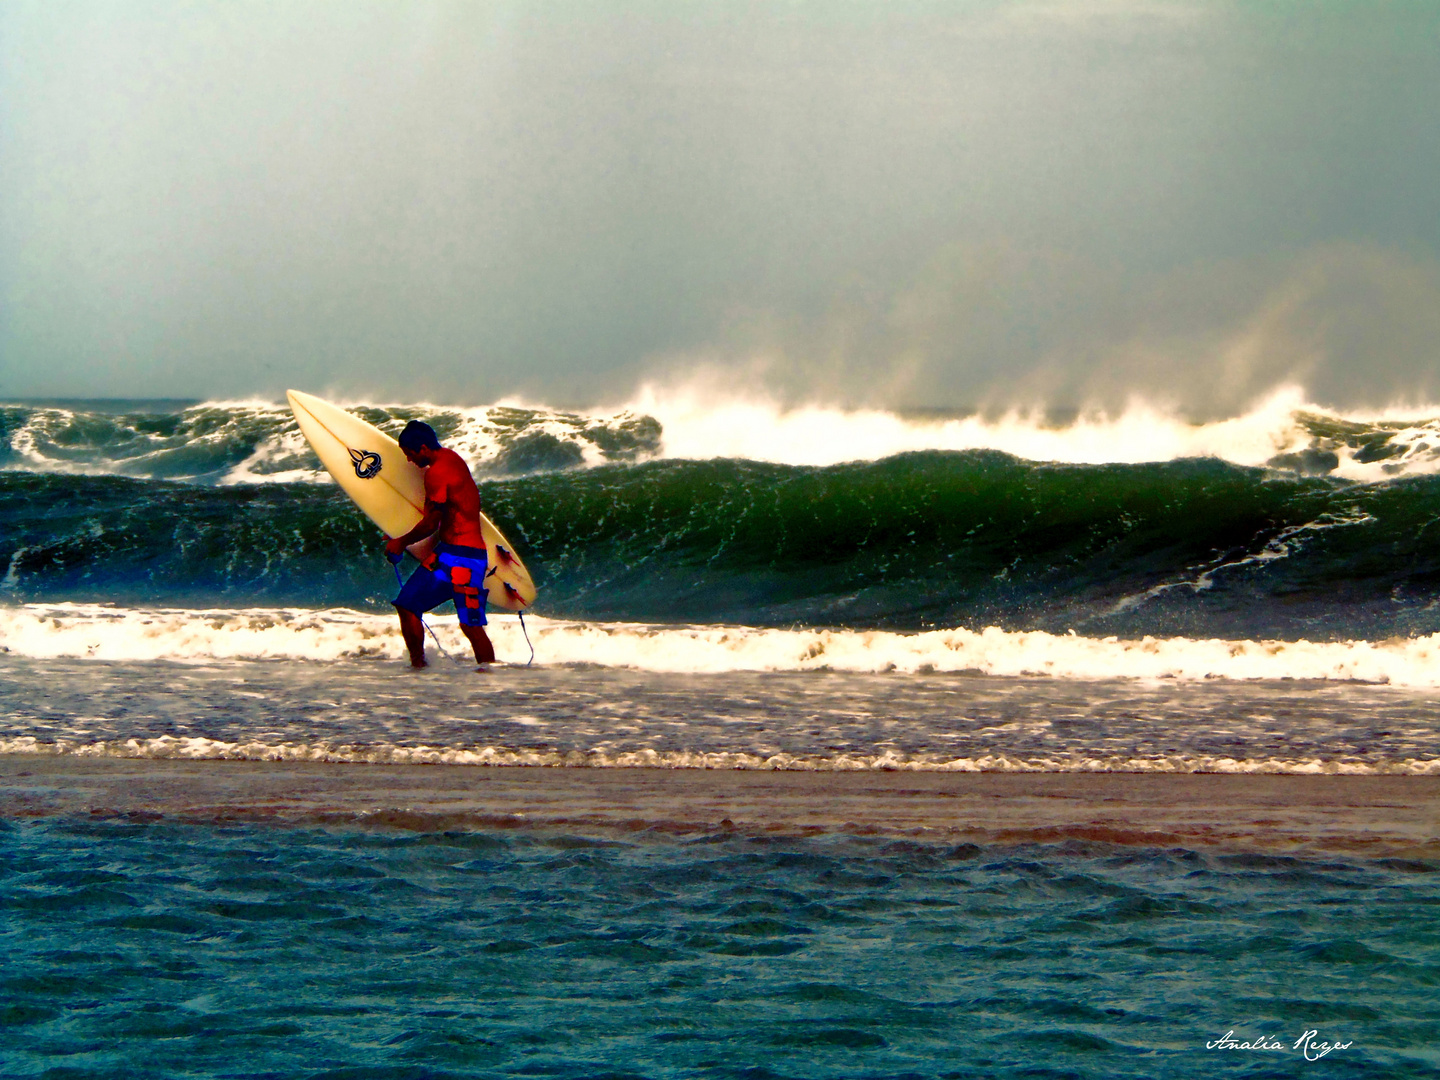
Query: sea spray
[231, 442]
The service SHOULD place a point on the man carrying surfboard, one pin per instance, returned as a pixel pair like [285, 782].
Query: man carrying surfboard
[456, 570]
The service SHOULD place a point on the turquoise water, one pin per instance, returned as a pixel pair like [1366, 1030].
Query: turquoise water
[155, 949]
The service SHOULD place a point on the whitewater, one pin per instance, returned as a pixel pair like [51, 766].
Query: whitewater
[78, 631]
[256, 441]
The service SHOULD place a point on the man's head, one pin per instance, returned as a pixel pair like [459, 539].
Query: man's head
[419, 442]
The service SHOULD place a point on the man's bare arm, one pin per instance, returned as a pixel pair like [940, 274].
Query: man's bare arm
[428, 524]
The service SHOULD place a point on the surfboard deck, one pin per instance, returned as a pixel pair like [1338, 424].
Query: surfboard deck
[371, 468]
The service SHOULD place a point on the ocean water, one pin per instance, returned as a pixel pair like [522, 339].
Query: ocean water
[224, 506]
[378, 711]
[853, 744]
[145, 948]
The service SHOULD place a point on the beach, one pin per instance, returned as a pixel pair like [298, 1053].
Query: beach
[1394, 817]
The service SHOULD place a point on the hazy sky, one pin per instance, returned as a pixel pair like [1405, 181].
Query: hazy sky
[906, 203]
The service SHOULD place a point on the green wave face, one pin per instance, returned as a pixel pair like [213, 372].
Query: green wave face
[916, 541]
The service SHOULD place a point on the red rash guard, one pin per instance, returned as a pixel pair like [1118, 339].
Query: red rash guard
[448, 484]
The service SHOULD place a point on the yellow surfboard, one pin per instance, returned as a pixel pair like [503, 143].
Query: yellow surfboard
[372, 469]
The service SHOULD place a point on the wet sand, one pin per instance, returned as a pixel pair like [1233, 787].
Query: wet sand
[1368, 816]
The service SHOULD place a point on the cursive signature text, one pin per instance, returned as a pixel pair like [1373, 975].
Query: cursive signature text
[1314, 1049]
[1229, 1042]
[1310, 1044]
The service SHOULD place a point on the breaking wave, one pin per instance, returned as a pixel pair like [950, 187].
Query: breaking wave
[1195, 548]
[1288, 522]
[258, 441]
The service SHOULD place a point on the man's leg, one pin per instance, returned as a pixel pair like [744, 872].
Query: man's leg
[422, 592]
[480, 642]
[413, 631]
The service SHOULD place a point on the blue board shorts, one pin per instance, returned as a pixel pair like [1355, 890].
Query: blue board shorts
[456, 573]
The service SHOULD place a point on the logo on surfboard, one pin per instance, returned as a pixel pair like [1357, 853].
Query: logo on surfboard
[367, 463]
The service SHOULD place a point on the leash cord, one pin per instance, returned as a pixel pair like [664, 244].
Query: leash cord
[425, 624]
[401, 582]
[527, 638]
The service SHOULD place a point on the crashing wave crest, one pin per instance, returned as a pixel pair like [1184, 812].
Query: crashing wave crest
[258, 442]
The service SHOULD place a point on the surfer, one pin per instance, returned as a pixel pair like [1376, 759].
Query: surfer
[456, 570]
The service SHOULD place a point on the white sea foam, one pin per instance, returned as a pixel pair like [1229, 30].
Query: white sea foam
[1284, 544]
[202, 440]
[203, 749]
[278, 460]
[123, 634]
[701, 423]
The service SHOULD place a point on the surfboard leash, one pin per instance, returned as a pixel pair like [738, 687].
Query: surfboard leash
[435, 639]
[401, 581]
[527, 638]
[396, 567]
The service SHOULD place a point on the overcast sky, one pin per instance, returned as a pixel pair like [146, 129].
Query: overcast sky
[943, 204]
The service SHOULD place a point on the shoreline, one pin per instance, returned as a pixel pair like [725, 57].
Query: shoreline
[1358, 816]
